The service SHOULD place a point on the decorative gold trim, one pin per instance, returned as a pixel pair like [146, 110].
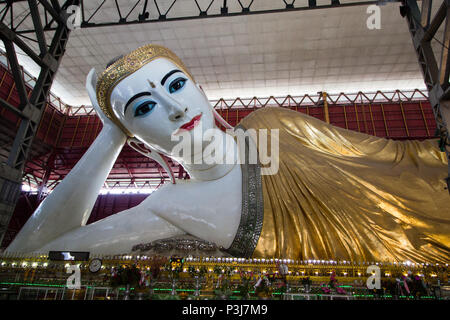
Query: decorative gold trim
[252, 214]
[126, 66]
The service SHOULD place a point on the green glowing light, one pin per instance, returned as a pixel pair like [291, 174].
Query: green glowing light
[33, 284]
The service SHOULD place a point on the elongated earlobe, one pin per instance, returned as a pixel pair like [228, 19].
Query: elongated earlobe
[201, 89]
[221, 120]
[217, 116]
[151, 153]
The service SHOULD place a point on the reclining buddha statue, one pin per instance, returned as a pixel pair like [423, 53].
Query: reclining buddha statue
[336, 194]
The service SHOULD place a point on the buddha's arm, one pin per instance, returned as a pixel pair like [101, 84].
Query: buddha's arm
[70, 204]
[209, 210]
[116, 234]
[196, 208]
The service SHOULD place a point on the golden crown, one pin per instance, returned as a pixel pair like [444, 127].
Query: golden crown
[124, 67]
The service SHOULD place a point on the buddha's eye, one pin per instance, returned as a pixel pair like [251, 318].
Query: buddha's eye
[177, 84]
[144, 108]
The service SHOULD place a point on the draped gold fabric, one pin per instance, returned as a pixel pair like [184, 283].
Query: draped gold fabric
[341, 194]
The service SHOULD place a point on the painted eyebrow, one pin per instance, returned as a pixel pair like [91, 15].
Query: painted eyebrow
[163, 80]
[140, 94]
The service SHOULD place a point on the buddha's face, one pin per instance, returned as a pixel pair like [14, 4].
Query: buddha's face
[159, 101]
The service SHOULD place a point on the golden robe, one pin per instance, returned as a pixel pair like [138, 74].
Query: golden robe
[346, 195]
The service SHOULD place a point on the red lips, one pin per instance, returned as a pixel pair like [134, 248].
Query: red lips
[191, 124]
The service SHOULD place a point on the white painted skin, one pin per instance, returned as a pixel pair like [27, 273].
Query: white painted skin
[207, 206]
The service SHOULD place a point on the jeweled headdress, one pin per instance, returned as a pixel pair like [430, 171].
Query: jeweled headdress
[126, 66]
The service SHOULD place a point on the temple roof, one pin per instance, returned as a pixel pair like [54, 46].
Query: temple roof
[243, 56]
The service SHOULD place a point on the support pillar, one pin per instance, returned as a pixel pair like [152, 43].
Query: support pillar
[30, 109]
[423, 27]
